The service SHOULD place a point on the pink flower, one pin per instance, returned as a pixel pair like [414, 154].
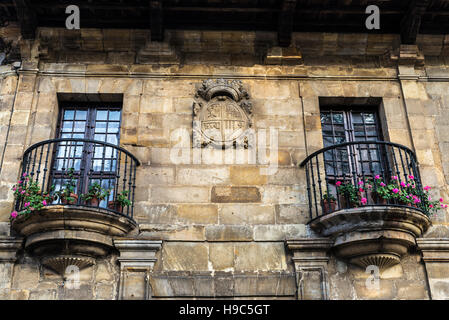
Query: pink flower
[394, 177]
[370, 186]
[408, 197]
[364, 201]
[430, 206]
[24, 175]
[411, 177]
[361, 189]
[403, 184]
[395, 190]
[22, 192]
[377, 177]
[27, 204]
[382, 184]
[14, 189]
[44, 203]
[416, 201]
[338, 183]
[408, 185]
[14, 214]
[427, 188]
[445, 206]
[441, 199]
[430, 198]
[360, 183]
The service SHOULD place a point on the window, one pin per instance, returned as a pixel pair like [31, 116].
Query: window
[353, 124]
[91, 162]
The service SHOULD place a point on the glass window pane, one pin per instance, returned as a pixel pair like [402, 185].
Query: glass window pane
[357, 118]
[81, 114]
[69, 114]
[369, 117]
[96, 166]
[80, 126]
[100, 127]
[78, 136]
[102, 115]
[100, 137]
[67, 126]
[337, 118]
[325, 117]
[98, 152]
[112, 138]
[113, 127]
[114, 115]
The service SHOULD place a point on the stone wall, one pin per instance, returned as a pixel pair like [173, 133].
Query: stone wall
[224, 225]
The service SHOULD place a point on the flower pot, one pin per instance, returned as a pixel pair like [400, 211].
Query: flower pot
[328, 206]
[94, 202]
[345, 203]
[67, 201]
[115, 206]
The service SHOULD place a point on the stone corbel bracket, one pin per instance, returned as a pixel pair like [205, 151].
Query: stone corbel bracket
[9, 248]
[408, 57]
[435, 254]
[284, 56]
[310, 257]
[137, 259]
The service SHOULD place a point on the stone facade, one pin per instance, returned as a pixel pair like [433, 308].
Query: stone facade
[227, 229]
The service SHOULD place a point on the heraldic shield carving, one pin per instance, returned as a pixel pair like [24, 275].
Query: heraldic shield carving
[221, 114]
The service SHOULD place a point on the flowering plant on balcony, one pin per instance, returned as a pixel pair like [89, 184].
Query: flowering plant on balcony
[95, 194]
[348, 191]
[29, 192]
[120, 202]
[67, 192]
[407, 193]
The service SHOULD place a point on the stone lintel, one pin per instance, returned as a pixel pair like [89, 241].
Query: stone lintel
[8, 249]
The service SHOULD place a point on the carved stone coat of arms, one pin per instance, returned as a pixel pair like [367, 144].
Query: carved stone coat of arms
[222, 114]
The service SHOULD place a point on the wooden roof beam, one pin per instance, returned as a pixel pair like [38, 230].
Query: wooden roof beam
[411, 22]
[156, 20]
[285, 24]
[27, 19]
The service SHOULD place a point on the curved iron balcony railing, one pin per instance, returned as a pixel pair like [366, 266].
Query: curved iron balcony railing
[355, 174]
[77, 166]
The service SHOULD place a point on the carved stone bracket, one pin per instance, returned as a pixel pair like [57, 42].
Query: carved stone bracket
[222, 114]
[8, 249]
[435, 254]
[407, 58]
[310, 257]
[284, 56]
[158, 53]
[137, 259]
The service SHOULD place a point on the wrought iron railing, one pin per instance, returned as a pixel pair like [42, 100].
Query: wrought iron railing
[65, 170]
[362, 173]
